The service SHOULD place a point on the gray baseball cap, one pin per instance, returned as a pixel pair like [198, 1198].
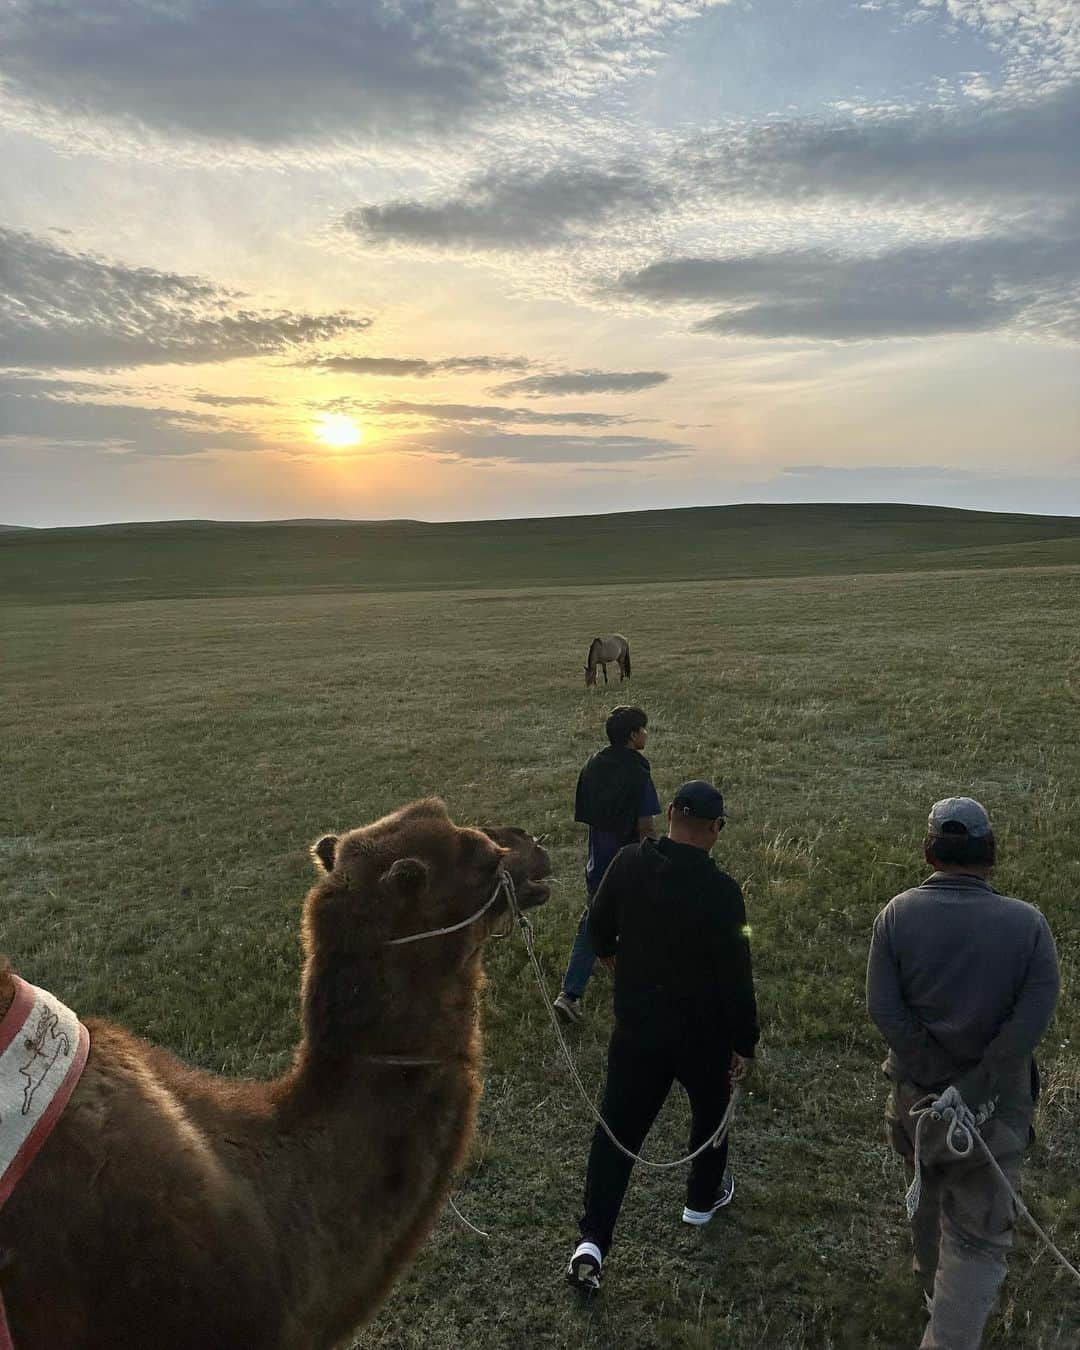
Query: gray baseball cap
[959, 815]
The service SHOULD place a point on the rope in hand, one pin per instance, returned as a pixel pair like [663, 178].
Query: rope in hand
[961, 1136]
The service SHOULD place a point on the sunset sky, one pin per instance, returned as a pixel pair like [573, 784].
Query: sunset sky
[382, 258]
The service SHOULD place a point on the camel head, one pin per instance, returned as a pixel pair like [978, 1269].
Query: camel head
[415, 871]
[527, 862]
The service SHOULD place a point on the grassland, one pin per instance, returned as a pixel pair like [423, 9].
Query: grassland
[166, 762]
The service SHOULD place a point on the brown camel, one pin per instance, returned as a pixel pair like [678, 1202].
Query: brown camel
[173, 1210]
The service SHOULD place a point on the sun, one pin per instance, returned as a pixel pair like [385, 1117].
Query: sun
[337, 430]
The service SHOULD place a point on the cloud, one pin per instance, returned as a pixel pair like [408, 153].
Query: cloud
[1040, 39]
[269, 74]
[55, 412]
[72, 310]
[1012, 155]
[540, 449]
[456, 413]
[1011, 152]
[231, 400]
[584, 382]
[30, 384]
[514, 206]
[952, 286]
[403, 365]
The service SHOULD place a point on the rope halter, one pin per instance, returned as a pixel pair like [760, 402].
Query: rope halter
[504, 885]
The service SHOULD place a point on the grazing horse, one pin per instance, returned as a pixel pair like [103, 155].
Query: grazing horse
[602, 650]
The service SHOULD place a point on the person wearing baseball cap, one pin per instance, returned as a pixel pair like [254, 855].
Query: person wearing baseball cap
[961, 982]
[672, 926]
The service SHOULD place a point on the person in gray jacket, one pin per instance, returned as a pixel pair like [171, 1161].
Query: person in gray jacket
[962, 983]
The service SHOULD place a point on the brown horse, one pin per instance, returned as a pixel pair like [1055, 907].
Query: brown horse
[602, 650]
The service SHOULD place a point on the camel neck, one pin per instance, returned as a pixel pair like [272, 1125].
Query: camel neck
[382, 1010]
[335, 1117]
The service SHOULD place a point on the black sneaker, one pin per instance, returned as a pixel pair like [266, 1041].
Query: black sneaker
[583, 1272]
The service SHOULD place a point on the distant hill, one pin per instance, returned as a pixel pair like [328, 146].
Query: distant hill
[207, 558]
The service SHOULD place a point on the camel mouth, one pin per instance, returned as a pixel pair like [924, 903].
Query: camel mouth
[530, 876]
[532, 893]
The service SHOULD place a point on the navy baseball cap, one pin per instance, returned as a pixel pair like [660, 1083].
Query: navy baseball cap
[959, 815]
[701, 799]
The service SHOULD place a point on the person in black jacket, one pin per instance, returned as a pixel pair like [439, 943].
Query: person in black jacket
[673, 928]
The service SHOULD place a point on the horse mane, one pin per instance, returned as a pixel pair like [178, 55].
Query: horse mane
[596, 642]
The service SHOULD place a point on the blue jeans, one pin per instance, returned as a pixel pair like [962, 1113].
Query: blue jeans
[579, 968]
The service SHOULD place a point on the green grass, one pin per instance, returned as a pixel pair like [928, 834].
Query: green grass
[167, 763]
[126, 562]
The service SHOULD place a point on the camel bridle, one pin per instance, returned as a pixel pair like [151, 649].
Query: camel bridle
[503, 885]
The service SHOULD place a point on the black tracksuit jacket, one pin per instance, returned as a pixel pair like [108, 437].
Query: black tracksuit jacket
[677, 927]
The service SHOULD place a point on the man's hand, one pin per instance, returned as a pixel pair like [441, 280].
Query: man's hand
[741, 1066]
[608, 962]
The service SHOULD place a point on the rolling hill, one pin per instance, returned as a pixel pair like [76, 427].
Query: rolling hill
[205, 558]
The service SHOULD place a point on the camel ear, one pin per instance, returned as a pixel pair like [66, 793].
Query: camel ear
[323, 852]
[407, 877]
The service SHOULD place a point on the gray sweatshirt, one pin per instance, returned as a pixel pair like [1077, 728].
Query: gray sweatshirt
[962, 983]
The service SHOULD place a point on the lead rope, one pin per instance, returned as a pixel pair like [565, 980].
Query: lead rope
[962, 1125]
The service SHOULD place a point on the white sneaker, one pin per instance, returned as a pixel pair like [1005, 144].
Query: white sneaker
[583, 1272]
[700, 1217]
[569, 1008]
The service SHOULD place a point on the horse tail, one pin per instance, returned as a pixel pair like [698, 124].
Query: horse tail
[626, 659]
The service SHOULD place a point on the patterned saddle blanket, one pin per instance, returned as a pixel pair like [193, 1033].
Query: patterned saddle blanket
[43, 1049]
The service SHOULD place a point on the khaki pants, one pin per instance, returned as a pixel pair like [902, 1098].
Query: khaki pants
[963, 1228]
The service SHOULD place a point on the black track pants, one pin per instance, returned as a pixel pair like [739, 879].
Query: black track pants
[639, 1078]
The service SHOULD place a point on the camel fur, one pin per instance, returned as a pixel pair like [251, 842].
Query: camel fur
[174, 1209]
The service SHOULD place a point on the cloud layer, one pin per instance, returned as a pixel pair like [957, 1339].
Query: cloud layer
[59, 413]
[268, 74]
[954, 286]
[1011, 155]
[541, 449]
[515, 206]
[584, 382]
[458, 413]
[72, 310]
[416, 366]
